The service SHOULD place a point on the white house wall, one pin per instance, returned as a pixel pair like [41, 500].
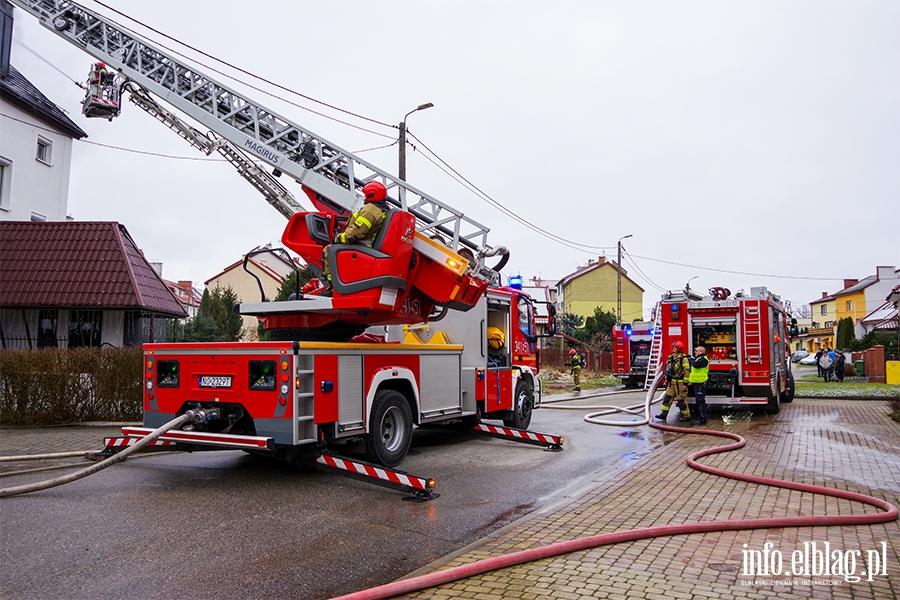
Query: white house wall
[34, 186]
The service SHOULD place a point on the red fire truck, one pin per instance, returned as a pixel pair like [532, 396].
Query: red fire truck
[747, 341]
[631, 352]
[275, 396]
[342, 368]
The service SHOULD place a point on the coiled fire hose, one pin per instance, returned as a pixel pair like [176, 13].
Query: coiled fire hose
[414, 584]
[118, 457]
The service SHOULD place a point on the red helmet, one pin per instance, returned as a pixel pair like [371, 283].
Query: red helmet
[679, 345]
[571, 352]
[375, 191]
[101, 65]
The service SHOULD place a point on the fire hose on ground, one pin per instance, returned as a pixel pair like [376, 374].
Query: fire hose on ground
[414, 584]
[118, 457]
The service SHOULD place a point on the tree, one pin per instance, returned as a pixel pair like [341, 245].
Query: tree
[218, 305]
[845, 334]
[877, 338]
[601, 322]
[289, 285]
[201, 329]
[569, 322]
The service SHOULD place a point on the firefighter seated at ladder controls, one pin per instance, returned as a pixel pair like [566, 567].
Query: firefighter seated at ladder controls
[362, 227]
[496, 347]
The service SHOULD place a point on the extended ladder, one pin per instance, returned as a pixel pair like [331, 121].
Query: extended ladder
[656, 354]
[320, 165]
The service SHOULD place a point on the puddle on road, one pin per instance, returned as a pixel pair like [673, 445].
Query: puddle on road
[633, 434]
[732, 416]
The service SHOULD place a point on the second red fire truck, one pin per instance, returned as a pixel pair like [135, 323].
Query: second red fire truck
[746, 337]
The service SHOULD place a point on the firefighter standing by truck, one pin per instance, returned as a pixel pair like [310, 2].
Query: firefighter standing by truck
[677, 367]
[362, 227]
[575, 364]
[698, 377]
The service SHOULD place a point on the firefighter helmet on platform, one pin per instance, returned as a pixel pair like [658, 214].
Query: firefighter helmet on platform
[495, 338]
[375, 191]
[101, 65]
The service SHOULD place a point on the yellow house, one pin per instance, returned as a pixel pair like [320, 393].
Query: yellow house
[824, 322]
[596, 285]
[271, 270]
[851, 301]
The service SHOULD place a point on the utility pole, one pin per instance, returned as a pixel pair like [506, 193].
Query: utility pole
[401, 171]
[619, 281]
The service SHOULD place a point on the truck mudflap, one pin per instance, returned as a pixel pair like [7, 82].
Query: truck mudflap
[552, 443]
[200, 438]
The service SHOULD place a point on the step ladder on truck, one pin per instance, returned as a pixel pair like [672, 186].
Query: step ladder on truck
[747, 340]
[328, 377]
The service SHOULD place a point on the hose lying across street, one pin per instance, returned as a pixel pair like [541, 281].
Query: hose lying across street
[890, 513]
[118, 457]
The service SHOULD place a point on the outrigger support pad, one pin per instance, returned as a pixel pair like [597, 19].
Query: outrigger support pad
[552, 443]
[422, 488]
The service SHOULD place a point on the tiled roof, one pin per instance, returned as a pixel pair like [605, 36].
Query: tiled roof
[16, 88]
[78, 264]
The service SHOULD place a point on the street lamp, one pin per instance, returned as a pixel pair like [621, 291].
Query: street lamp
[619, 281]
[402, 169]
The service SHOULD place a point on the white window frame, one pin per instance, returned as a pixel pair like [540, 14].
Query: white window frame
[824, 309]
[5, 183]
[44, 151]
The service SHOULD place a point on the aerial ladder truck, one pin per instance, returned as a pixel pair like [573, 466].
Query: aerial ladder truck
[457, 348]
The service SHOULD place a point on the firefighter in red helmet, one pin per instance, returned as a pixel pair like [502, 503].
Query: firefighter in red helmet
[363, 225]
[677, 367]
[575, 364]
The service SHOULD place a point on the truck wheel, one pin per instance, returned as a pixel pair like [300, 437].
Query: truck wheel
[390, 429]
[775, 402]
[788, 395]
[524, 406]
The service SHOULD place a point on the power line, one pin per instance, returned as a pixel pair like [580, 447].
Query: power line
[260, 78]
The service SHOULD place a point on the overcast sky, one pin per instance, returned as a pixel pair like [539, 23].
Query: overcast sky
[743, 143]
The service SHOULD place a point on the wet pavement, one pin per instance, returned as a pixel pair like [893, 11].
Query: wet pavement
[849, 445]
[844, 444]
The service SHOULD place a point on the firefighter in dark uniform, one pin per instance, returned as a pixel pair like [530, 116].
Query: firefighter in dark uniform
[362, 227]
[677, 366]
[575, 363]
[698, 378]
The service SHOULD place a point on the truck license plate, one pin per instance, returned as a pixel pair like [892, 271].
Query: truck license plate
[215, 381]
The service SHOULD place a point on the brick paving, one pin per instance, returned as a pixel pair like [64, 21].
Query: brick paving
[849, 445]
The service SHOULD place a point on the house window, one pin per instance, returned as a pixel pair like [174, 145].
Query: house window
[44, 148]
[849, 305]
[84, 328]
[47, 322]
[5, 182]
[824, 310]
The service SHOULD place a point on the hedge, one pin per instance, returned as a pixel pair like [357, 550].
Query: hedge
[55, 387]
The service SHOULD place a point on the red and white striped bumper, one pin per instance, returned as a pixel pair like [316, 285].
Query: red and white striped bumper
[220, 440]
[376, 474]
[553, 442]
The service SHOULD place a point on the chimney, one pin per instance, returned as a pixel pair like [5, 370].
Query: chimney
[157, 266]
[850, 283]
[601, 260]
[824, 294]
[885, 273]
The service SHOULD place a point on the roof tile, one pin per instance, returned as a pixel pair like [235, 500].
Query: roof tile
[78, 264]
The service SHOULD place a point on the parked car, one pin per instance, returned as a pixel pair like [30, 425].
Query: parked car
[808, 360]
[798, 355]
